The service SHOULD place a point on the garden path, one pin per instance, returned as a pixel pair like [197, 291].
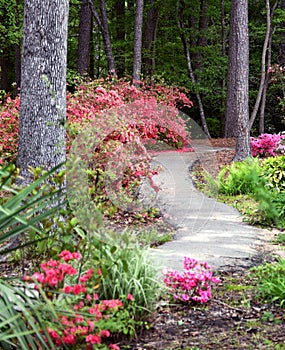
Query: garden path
[207, 230]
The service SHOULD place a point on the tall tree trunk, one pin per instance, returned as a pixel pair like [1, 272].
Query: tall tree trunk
[281, 57]
[106, 39]
[43, 85]
[267, 79]
[150, 38]
[17, 49]
[190, 72]
[223, 81]
[263, 61]
[202, 39]
[103, 25]
[137, 61]
[237, 117]
[84, 33]
[92, 52]
[120, 36]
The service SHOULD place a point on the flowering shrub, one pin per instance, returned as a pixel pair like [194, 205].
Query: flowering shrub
[266, 145]
[193, 284]
[145, 118]
[82, 320]
[9, 119]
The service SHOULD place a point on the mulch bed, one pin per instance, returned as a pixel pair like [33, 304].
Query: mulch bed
[233, 319]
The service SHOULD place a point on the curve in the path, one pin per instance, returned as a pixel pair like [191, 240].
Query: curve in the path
[206, 229]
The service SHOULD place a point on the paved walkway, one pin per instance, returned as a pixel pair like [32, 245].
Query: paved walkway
[206, 229]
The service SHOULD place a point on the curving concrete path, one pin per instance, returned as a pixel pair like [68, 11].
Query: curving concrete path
[206, 229]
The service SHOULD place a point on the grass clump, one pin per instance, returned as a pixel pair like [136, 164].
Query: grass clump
[270, 282]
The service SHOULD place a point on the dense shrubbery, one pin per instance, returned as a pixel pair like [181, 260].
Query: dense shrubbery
[122, 115]
[262, 178]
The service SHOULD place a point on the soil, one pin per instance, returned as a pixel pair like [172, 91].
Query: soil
[233, 319]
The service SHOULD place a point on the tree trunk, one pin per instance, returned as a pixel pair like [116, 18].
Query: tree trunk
[191, 74]
[17, 52]
[223, 81]
[263, 58]
[120, 36]
[267, 80]
[137, 62]
[43, 85]
[150, 38]
[107, 40]
[103, 25]
[84, 33]
[237, 117]
[281, 58]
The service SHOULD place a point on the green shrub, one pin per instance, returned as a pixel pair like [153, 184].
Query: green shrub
[239, 177]
[126, 269]
[273, 169]
[270, 279]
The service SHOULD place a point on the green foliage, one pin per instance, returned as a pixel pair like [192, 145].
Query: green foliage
[273, 169]
[270, 281]
[239, 177]
[260, 181]
[214, 127]
[21, 210]
[21, 319]
[126, 268]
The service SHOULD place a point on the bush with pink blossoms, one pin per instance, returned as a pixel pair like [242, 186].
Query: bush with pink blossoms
[268, 145]
[80, 320]
[193, 284]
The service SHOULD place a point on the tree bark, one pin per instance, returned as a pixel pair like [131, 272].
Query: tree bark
[106, 39]
[137, 61]
[43, 85]
[191, 74]
[269, 14]
[150, 38]
[281, 57]
[120, 36]
[84, 33]
[103, 25]
[237, 114]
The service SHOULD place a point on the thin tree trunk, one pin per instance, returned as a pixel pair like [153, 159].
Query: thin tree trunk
[137, 62]
[17, 52]
[263, 64]
[103, 25]
[281, 56]
[264, 94]
[107, 40]
[120, 36]
[84, 33]
[191, 75]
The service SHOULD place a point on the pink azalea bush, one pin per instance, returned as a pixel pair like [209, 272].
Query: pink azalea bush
[150, 112]
[194, 283]
[267, 145]
[90, 99]
[82, 320]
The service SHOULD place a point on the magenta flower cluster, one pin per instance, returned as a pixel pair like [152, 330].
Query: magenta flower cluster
[194, 283]
[267, 145]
